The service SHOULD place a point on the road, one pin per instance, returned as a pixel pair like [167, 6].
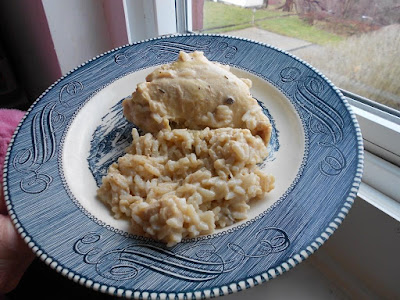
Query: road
[292, 45]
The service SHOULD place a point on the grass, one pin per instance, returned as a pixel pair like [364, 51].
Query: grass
[367, 65]
[293, 26]
[218, 15]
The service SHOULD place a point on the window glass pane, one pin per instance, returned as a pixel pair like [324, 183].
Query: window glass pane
[354, 43]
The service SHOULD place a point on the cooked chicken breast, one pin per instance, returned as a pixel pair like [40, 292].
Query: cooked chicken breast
[195, 93]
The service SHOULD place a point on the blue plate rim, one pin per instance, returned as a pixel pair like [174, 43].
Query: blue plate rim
[232, 287]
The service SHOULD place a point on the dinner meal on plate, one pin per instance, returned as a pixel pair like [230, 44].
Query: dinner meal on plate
[195, 168]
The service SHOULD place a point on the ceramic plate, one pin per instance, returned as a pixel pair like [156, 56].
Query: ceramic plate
[76, 129]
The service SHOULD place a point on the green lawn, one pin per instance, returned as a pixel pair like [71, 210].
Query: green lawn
[218, 15]
[293, 26]
[270, 13]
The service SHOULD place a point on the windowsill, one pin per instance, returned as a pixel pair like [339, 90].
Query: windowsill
[380, 128]
[306, 281]
[379, 185]
[380, 201]
[381, 134]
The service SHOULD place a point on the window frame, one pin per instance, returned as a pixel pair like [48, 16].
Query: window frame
[380, 126]
[149, 18]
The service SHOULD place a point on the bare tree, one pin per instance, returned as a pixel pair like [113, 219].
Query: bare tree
[310, 6]
[346, 8]
[287, 6]
[378, 12]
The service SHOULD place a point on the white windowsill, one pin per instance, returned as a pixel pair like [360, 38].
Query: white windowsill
[381, 177]
[380, 201]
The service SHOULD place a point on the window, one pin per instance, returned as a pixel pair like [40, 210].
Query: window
[347, 41]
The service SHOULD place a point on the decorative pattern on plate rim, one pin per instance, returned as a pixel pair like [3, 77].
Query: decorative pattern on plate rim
[217, 291]
[198, 262]
[157, 51]
[29, 161]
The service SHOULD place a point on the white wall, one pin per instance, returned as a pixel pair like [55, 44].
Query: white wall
[78, 29]
[149, 18]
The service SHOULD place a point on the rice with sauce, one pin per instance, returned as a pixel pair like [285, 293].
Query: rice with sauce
[185, 182]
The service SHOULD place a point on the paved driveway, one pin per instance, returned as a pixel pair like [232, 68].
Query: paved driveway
[289, 44]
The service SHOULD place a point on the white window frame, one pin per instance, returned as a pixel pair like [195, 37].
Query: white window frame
[150, 18]
[380, 126]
